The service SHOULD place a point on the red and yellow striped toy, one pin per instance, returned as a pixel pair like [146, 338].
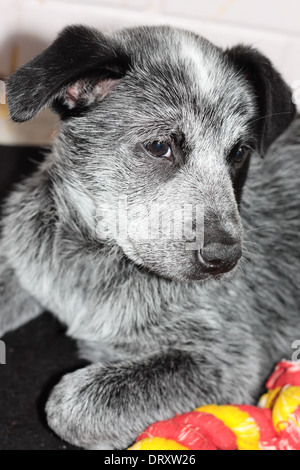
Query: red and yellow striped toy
[272, 425]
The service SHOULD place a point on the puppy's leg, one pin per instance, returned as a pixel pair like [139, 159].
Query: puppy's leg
[16, 305]
[107, 406]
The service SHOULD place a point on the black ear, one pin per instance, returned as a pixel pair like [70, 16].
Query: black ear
[274, 97]
[81, 65]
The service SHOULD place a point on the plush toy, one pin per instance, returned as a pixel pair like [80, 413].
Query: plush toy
[273, 425]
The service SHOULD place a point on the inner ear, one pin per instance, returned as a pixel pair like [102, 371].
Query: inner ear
[84, 92]
[80, 95]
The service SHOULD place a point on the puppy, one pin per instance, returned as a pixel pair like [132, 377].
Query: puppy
[155, 117]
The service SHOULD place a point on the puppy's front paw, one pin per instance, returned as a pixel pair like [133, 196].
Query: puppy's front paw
[107, 406]
[93, 408]
[78, 411]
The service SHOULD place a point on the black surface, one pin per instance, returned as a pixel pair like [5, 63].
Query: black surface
[37, 354]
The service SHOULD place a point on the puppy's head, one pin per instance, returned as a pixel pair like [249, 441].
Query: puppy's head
[158, 127]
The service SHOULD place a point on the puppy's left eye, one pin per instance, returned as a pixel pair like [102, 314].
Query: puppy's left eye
[159, 149]
[239, 154]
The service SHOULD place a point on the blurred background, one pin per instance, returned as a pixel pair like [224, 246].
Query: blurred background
[28, 26]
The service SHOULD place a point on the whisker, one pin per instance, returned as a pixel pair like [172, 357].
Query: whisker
[269, 115]
[244, 260]
[259, 228]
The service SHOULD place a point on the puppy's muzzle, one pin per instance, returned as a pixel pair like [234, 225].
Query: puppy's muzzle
[218, 258]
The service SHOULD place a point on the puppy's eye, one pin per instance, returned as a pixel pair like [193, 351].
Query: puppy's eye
[242, 153]
[159, 149]
[239, 154]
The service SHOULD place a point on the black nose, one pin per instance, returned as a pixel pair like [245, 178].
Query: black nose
[217, 258]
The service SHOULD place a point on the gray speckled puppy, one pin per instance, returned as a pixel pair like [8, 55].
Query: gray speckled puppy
[163, 117]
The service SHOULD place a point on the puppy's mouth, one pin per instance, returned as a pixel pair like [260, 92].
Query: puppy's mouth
[218, 265]
[218, 274]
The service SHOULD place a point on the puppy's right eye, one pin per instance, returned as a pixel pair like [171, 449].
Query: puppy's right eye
[159, 149]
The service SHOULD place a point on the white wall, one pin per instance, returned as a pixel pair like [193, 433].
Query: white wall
[28, 26]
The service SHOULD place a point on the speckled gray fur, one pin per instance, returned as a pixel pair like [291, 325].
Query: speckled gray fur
[162, 336]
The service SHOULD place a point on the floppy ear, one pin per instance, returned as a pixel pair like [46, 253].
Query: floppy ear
[274, 97]
[81, 66]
